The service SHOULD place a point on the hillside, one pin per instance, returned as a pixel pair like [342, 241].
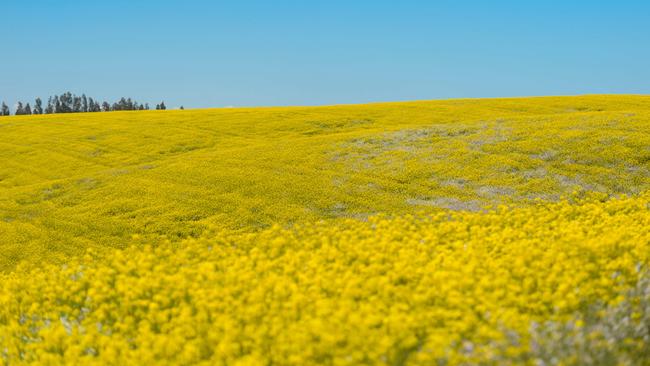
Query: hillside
[73, 181]
[459, 232]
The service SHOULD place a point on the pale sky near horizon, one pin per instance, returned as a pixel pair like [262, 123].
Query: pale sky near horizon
[246, 53]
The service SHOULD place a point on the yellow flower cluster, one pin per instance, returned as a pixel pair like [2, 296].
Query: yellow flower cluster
[439, 288]
[73, 181]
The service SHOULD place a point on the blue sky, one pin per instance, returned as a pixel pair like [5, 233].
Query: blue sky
[245, 53]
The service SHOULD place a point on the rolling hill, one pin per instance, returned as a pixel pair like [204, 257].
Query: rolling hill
[459, 232]
[73, 181]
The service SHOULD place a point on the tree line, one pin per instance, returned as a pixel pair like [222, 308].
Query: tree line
[71, 103]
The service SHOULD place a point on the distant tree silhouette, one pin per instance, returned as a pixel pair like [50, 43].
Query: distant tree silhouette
[93, 106]
[50, 107]
[19, 109]
[65, 103]
[77, 105]
[4, 110]
[71, 103]
[57, 105]
[38, 106]
[84, 103]
[182, 108]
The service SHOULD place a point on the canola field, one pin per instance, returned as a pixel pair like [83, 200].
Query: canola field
[461, 232]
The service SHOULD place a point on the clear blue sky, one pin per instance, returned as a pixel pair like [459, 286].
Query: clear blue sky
[243, 52]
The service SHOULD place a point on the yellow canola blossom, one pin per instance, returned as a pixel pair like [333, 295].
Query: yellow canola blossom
[74, 181]
[438, 288]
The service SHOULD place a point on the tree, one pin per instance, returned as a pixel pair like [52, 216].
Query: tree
[50, 107]
[66, 103]
[76, 104]
[38, 106]
[57, 105]
[69, 103]
[162, 106]
[5, 110]
[19, 109]
[84, 103]
[182, 108]
[93, 106]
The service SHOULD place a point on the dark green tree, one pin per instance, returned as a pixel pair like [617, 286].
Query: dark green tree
[76, 104]
[84, 103]
[58, 107]
[65, 103]
[20, 110]
[38, 106]
[5, 110]
[93, 106]
[50, 107]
